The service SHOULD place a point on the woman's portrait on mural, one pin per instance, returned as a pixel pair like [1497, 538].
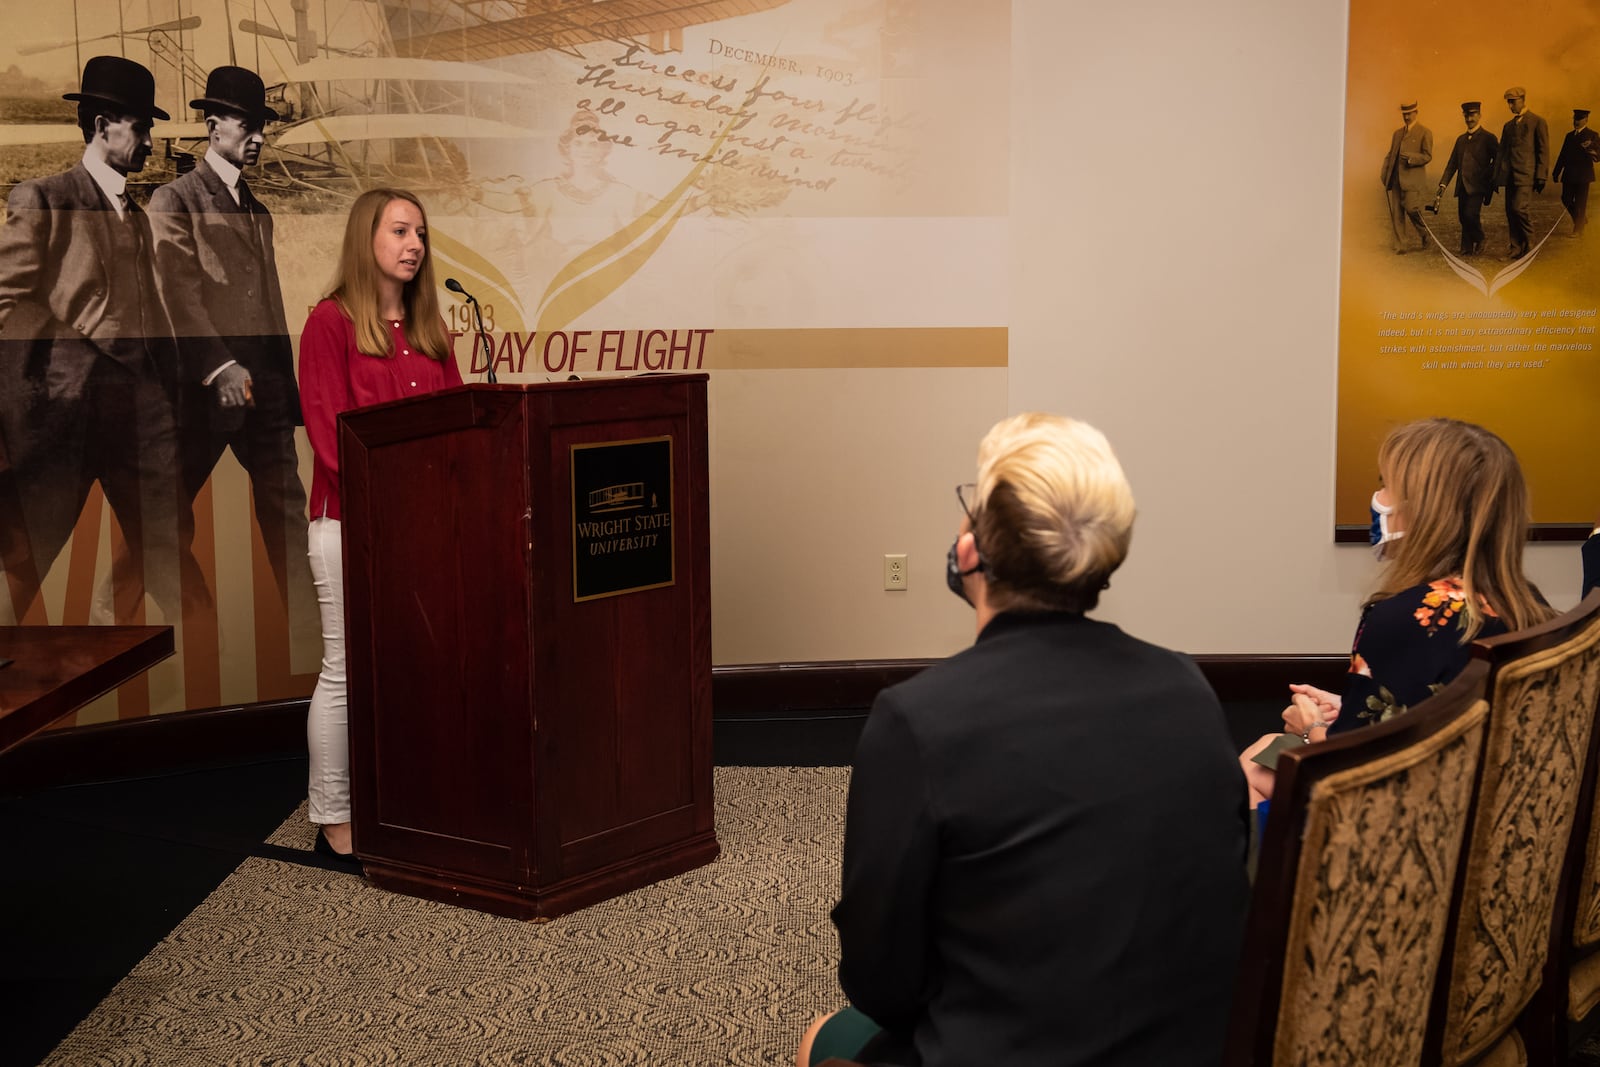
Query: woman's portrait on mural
[585, 204]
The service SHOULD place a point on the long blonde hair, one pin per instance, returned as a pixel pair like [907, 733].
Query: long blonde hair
[355, 283]
[1464, 504]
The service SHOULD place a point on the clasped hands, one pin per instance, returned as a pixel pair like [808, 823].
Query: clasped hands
[1309, 714]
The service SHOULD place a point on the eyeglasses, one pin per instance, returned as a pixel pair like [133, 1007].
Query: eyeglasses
[967, 497]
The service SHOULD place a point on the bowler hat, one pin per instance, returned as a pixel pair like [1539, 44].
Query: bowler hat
[122, 83]
[238, 90]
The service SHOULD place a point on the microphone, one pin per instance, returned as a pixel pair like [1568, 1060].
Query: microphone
[488, 348]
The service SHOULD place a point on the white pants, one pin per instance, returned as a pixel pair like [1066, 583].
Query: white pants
[328, 723]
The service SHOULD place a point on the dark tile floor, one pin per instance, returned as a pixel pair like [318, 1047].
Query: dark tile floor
[96, 875]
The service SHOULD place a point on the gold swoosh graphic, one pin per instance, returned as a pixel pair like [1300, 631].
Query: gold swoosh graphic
[1475, 278]
[1510, 274]
[482, 278]
[599, 271]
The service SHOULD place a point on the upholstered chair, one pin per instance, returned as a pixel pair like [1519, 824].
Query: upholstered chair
[1544, 686]
[1564, 1012]
[1353, 888]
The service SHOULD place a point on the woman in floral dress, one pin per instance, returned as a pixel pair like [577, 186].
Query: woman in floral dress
[1456, 517]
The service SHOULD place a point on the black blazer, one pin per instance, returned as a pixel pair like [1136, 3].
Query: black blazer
[59, 286]
[218, 276]
[1044, 855]
[1575, 161]
[1473, 159]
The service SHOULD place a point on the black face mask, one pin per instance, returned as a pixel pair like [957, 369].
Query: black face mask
[953, 572]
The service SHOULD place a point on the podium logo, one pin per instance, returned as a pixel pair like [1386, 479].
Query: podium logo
[622, 517]
[617, 497]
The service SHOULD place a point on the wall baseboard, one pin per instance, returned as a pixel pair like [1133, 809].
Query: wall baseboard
[155, 745]
[779, 690]
[166, 744]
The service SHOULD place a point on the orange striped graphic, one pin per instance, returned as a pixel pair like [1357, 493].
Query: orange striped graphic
[202, 679]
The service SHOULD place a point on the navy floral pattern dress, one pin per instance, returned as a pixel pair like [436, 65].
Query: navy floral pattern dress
[1407, 648]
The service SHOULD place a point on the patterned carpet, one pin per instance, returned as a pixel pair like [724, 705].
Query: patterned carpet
[286, 964]
[290, 964]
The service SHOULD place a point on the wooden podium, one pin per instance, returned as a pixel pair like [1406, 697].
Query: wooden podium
[528, 640]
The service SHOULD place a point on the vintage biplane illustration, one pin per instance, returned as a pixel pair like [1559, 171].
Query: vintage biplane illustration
[432, 95]
[393, 90]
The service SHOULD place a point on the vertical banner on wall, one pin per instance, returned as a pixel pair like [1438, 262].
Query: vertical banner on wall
[625, 185]
[1470, 280]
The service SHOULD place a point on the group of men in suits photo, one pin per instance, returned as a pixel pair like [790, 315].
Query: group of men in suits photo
[1518, 162]
[142, 344]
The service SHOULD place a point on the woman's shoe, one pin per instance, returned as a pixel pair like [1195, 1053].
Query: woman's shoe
[346, 860]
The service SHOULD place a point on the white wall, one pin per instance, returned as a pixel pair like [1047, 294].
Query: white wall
[1175, 173]
[815, 475]
[1173, 279]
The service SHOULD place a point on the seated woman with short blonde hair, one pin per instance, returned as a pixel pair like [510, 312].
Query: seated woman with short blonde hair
[1044, 847]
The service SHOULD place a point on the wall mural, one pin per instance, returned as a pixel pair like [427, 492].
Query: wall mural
[624, 186]
[1469, 279]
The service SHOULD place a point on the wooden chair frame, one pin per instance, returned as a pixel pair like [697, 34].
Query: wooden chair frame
[1542, 1024]
[1258, 990]
[1538, 1040]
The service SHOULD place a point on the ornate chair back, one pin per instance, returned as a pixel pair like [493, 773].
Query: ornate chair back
[1544, 685]
[1353, 888]
[1573, 979]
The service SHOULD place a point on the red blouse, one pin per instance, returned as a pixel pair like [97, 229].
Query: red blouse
[335, 377]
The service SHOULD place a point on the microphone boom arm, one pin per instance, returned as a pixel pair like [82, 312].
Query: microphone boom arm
[483, 337]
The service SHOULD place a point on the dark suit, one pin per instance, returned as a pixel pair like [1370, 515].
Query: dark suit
[1044, 855]
[1472, 166]
[86, 394]
[1405, 179]
[1574, 169]
[1524, 159]
[218, 278]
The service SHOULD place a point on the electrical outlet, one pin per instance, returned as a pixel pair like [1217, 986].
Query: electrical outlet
[894, 571]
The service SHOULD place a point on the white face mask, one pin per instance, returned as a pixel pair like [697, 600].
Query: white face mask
[1380, 535]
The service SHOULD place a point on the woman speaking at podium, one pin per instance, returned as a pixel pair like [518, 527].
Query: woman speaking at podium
[377, 336]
